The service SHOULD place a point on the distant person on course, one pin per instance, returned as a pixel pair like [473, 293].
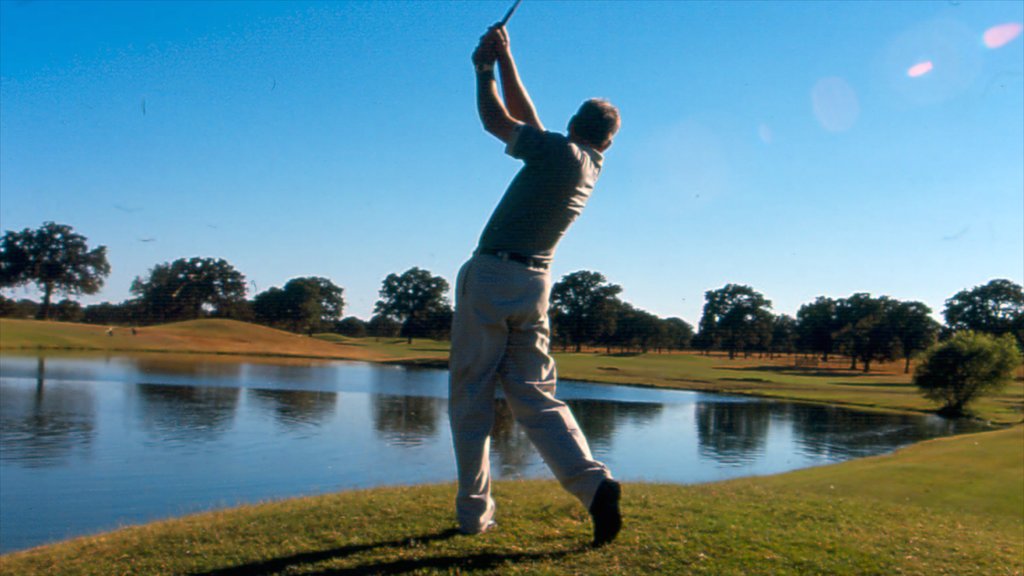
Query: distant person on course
[500, 333]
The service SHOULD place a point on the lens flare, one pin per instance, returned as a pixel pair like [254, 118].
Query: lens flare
[835, 104]
[920, 69]
[1001, 35]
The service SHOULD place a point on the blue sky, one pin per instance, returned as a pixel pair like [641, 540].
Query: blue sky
[780, 145]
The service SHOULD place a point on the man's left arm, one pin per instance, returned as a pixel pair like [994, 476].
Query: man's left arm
[493, 113]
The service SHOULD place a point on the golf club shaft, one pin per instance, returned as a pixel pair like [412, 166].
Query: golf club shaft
[509, 14]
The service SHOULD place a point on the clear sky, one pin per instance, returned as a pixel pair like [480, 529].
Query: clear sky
[801, 148]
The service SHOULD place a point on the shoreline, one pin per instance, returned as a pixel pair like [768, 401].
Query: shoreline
[442, 364]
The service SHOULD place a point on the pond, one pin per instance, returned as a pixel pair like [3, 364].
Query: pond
[93, 443]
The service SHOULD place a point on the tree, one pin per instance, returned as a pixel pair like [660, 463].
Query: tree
[913, 327]
[352, 327]
[784, 331]
[68, 311]
[54, 258]
[817, 325]
[189, 289]
[417, 300]
[865, 332]
[995, 308]
[635, 328]
[583, 306]
[305, 305]
[381, 326]
[968, 365]
[735, 317]
[107, 313]
[678, 333]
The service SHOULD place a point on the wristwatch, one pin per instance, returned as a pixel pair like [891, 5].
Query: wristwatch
[482, 68]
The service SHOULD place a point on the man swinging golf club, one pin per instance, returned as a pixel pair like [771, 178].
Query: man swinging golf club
[500, 332]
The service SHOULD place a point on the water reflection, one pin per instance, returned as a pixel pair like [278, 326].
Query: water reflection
[186, 414]
[599, 419]
[733, 433]
[296, 409]
[406, 420]
[44, 425]
[205, 369]
[512, 452]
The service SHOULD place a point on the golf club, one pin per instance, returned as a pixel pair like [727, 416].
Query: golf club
[509, 14]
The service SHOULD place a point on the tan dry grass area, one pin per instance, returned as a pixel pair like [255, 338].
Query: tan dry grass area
[195, 336]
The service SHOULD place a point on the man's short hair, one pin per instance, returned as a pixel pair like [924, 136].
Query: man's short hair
[596, 122]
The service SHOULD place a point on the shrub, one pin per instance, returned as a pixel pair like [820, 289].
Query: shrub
[966, 366]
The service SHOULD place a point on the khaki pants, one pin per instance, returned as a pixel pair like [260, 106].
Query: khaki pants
[500, 334]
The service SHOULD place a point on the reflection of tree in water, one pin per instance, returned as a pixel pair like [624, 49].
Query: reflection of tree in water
[405, 420]
[170, 364]
[509, 443]
[733, 433]
[836, 433]
[187, 413]
[599, 418]
[296, 408]
[42, 425]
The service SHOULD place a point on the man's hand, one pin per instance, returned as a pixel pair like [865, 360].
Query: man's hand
[499, 38]
[486, 53]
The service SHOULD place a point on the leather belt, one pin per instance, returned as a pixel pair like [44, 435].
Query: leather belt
[529, 261]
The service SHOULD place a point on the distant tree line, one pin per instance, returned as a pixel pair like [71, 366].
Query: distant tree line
[585, 311]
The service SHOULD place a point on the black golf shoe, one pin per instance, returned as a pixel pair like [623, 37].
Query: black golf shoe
[604, 509]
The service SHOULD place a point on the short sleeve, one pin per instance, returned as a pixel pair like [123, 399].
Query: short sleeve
[527, 143]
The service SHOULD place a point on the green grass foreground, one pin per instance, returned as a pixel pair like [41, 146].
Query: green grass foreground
[948, 506]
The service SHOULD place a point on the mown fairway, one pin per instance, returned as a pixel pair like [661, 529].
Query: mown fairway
[948, 506]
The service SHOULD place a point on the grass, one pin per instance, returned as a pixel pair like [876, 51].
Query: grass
[903, 513]
[885, 388]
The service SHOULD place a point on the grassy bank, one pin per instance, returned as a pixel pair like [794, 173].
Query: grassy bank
[886, 387]
[948, 506]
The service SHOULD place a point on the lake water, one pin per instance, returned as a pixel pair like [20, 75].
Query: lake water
[89, 444]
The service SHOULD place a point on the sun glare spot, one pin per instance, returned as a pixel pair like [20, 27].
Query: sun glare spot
[920, 69]
[1001, 35]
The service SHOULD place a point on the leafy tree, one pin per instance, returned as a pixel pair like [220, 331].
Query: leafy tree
[381, 326]
[817, 325]
[913, 327]
[583, 306]
[187, 289]
[306, 305]
[68, 311]
[735, 317]
[968, 365]
[54, 258]
[995, 308]
[106, 313]
[352, 327]
[678, 333]
[865, 332]
[635, 328]
[417, 300]
[7, 307]
[784, 334]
